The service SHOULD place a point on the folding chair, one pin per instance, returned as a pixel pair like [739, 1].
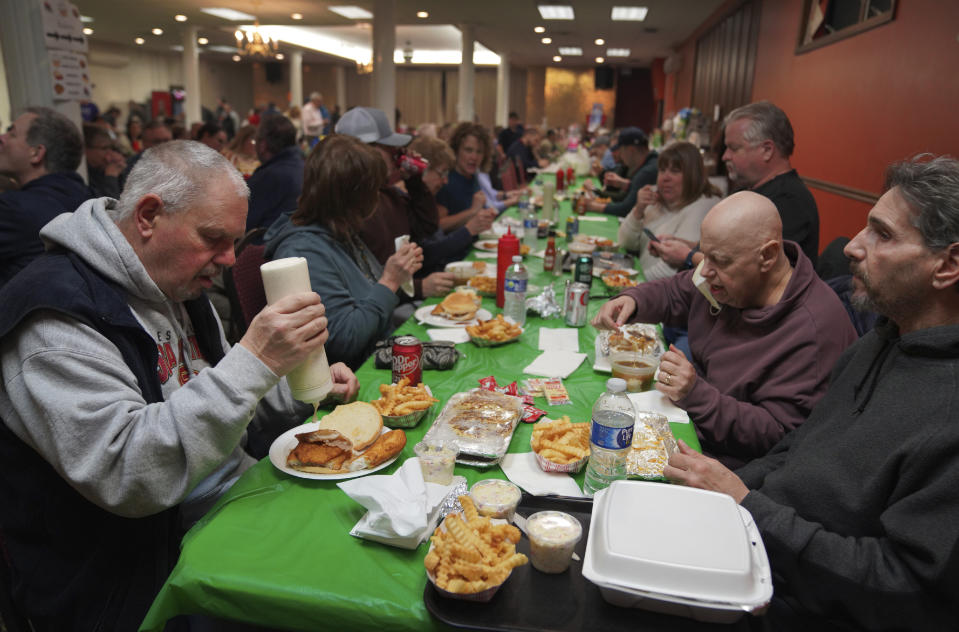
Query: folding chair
[243, 282]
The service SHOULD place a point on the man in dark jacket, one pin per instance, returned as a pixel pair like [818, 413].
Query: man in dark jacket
[858, 508]
[277, 182]
[763, 342]
[632, 145]
[41, 150]
[104, 163]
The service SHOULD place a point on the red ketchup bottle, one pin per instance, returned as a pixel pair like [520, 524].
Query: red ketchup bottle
[507, 247]
[560, 177]
[549, 256]
[570, 176]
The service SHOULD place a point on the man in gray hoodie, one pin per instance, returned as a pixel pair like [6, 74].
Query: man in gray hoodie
[858, 508]
[124, 410]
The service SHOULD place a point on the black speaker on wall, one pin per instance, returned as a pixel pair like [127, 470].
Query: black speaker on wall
[603, 78]
[274, 72]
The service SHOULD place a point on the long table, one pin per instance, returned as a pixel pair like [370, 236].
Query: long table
[276, 550]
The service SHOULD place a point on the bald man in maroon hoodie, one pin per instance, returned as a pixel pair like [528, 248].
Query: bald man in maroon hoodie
[761, 356]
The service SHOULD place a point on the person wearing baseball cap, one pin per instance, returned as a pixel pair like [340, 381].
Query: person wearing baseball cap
[409, 209]
[633, 148]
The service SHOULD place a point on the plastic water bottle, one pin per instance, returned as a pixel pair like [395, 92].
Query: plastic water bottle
[514, 288]
[610, 437]
[530, 225]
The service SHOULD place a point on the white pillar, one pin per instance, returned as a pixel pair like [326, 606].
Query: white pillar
[339, 73]
[27, 63]
[296, 78]
[191, 77]
[384, 71]
[502, 90]
[465, 107]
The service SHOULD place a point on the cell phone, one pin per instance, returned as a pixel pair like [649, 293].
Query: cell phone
[650, 234]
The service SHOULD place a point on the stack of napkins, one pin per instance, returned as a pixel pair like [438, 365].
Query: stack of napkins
[451, 334]
[403, 509]
[522, 469]
[555, 364]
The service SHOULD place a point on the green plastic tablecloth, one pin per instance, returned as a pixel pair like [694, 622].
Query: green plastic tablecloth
[276, 550]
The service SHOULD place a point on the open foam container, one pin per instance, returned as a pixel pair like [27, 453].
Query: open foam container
[677, 550]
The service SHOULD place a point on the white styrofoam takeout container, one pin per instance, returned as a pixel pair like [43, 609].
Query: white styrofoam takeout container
[677, 550]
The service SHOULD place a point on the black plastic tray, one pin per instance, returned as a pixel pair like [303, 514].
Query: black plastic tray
[531, 600]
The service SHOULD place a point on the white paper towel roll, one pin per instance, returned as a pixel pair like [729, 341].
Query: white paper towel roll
[311, 380]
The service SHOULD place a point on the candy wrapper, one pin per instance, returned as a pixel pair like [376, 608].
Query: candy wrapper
[545, 304]
[556, 394]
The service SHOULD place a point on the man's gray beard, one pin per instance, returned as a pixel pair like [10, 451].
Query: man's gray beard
[862, 303]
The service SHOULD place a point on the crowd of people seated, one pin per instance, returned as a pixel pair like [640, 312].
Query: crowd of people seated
[781, 385]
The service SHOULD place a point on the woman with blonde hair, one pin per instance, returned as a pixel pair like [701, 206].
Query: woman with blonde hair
[241, 152]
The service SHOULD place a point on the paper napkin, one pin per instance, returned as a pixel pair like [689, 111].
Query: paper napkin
[555, 364]
[452, 334]
[559, 338]
[403, 509]
[482, 254]
[655, 402]
[592, 218]
[522, 469]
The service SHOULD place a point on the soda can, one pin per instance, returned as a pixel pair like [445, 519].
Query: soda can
[572, 227]
[411, 164]
[577, 303]
[583, 272]
[407, 359]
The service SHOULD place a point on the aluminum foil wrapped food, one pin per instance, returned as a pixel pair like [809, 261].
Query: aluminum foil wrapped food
[653, 443]
[639, 337]
[478, 424]
[545, 304]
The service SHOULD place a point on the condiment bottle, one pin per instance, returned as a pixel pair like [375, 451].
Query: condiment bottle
[549, 256]
[506, 249]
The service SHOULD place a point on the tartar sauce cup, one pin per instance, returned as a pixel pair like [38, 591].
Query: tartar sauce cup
[496, 498]
[552, 537]
[436, 462]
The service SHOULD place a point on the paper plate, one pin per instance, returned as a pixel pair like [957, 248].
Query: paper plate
[284, 444]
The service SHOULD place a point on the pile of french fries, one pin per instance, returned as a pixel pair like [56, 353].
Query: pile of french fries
[496, 329]
[401, 399]
[561, 441]
[471, 554]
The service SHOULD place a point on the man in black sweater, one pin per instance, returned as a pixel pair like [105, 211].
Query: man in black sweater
[858, 508]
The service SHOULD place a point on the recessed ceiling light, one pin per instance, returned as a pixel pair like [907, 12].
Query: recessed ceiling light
[600, 60]
[87, 30]
[599, 41]
[556, 12]
[237, 58]
[157, 31]
[539, 29]
[296, 16]
[228, 14]
[280, 56]
[202, 41]
[139, 41]
[352, 13]
[629, 14]
[617, 52]
[423, 14]
[179, 17]
[557, 58]
[570, 50]
[86, 19]
[547, 40]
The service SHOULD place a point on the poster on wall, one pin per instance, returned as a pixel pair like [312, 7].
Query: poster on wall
[70, 76]
[62, 27]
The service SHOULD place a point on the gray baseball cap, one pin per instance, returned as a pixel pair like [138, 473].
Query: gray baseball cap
[370, 126]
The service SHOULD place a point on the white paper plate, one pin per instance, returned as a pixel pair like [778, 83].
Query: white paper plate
[285, 443]
[425, 316]
[487, 245]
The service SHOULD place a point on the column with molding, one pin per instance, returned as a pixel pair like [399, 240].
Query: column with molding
[191, 77]
[467, 75]
[384, 70]
[296, 78]
[502, 90]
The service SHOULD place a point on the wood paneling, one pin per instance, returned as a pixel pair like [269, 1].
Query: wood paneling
[725, 63]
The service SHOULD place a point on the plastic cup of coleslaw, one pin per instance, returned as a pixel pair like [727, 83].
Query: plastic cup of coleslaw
[552, 538]
[496, 498]
[436, 462]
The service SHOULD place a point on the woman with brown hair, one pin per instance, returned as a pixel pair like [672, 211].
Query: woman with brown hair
[461, 199]
[672, 209]
[341, 185]
[241, 152]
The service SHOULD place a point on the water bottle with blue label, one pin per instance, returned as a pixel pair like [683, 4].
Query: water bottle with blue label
[610, 437]
[514, 291]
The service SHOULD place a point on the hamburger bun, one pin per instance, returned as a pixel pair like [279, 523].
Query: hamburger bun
[459, 306]
[359, 422]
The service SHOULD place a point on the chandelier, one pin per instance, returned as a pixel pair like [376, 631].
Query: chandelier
[253, 43]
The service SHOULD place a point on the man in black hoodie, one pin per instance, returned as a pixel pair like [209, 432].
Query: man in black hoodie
[858, 508]
[41, 150]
